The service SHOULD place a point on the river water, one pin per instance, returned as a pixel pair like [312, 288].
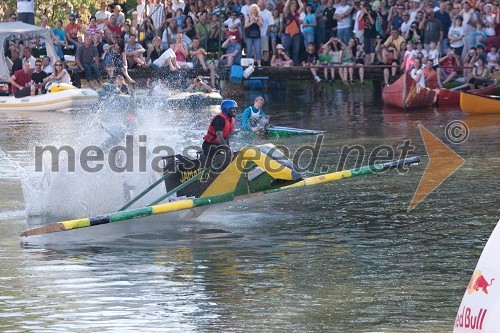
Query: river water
[339, 257]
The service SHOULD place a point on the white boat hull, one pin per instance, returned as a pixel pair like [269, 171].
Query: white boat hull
[61, 100]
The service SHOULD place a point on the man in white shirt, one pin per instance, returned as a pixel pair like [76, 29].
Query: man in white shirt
[141, 12]
[102, 16]
[405, 26]
[176, 4]
[28, 57]
[246, 8]
[267, 20]
[343, 17]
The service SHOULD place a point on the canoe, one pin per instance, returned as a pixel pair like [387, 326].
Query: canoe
[195, 98]
[471, 103]
[61, 100]
[281, 132]
[405, 94]
[452, 97]
[193, 184]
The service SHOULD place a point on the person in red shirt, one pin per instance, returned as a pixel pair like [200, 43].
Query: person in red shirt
[112, 31]
[21, 81]
[449, 71]
[431, 80]
[71, 30]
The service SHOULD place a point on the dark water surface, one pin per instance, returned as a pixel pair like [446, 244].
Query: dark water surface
[340, 257]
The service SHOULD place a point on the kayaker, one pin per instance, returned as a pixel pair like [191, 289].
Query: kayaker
[254, 119]
[220, 128]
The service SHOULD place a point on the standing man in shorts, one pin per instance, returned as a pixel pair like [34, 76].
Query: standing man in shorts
[267, 21]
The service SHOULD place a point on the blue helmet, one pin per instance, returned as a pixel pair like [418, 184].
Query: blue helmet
[227, 105]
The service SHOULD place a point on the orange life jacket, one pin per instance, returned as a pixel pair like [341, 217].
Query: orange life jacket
[211, 137]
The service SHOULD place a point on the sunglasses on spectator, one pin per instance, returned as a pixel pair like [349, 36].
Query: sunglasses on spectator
[38, 64]
[58, 64]
[13, 18]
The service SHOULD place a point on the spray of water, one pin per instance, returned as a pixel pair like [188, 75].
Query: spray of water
[81, 193]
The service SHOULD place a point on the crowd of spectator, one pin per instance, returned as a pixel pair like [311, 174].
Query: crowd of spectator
[457, 38]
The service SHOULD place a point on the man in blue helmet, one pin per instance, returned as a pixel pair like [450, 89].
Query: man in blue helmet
[220, 128]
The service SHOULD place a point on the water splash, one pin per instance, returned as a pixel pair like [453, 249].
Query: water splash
[80, 193]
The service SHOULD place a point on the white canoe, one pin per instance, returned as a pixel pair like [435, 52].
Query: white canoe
[196, 97]
[61, 100]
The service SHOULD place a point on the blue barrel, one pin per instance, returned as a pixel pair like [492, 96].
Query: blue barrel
[236, 74]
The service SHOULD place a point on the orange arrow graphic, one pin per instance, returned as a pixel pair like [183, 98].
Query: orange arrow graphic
[442, 163]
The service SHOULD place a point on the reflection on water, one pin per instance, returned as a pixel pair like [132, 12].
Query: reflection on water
[341, 257]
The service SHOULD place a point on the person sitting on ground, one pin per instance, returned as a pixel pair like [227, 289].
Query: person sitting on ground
[310, 61]
[87, 59]
[199, 85]
[430, 74]
[112, 31]
[197, 56]
[348, 61]
[21, 81]
[254, 119]
[325, 58]
[233, 55]
[449, 71]
[220, 128]
[167, 58]
[72, 29]
[134, 52]
[121, 86]
[38, 79]
[181, 52]
[417, 73]
[479, 75]
[155, 50]
[280, 58]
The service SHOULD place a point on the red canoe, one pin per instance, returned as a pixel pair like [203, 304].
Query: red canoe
[405, 94]
[452, 97]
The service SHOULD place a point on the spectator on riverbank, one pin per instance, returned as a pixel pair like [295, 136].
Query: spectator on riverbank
[72, 29]
[135, 52]
[280, 58]
[450, 65]
[233, 53]
[87, 59]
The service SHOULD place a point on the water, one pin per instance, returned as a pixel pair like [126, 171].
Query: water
[341, 257]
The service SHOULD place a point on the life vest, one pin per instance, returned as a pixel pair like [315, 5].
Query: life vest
[254, 112]
[211, 137]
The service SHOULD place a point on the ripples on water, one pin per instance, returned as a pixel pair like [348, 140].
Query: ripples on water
[341, 257]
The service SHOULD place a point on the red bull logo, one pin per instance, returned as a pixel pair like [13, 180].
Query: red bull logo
[467, 319]
[478, 282]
